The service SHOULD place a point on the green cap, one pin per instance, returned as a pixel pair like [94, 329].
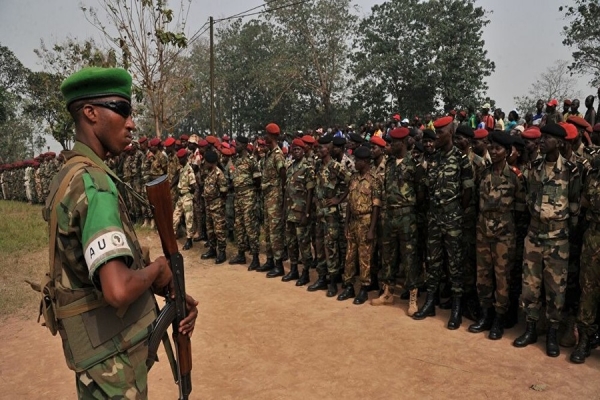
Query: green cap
[94, 82]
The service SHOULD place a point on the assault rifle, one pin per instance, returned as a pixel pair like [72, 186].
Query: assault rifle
[159, 197]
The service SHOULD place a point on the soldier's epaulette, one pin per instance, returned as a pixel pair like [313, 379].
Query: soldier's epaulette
[516, 171]
[590, 150]
[572, 166]
[537, 162]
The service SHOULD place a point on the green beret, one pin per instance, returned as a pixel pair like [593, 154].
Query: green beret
[94, 82]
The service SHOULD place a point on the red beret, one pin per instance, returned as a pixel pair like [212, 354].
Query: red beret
[552, 103]
[442, 122]
[226, 151]
[571, 130]
[378, 141]
[203, 143]
[225, 138]
[596, 127]
[249, 147]
[181, 153]
[452, 112]
[480, 134]
[463, 113]
[184, 137]
[580, 123]
[532, 133]
[272, 129]
[225, 145]
[396, 117]
[178, 142]
[308, 139]
[211, 139]
[284, 150]
[154, 142]
[399, 133]
[169, 142]
[299, 143]
[142, 139]
[261, 142]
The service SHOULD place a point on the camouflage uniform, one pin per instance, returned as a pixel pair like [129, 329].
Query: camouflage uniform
[399, 242]
[172, 171]
[364, 194]
[185, 200]
[553, 201]
[348, 165]
[449, 174]
[215, 188]
[245, 170]
[376, 264]
[129, 171]
[500, 197]
[229, 201]
[300, 180]
[273, 203]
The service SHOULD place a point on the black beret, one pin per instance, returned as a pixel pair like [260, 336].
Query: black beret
[518, 142]
[387, 139]
[211, 157]
[554, 130]
[242, 139]
[429, 134]
[465, 130]
[413, 132]
[325, 139]
[339, 141]
[502, 138]
[362, 153]
[419, 147]
[355, 137]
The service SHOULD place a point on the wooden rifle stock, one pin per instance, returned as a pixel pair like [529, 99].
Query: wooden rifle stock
[159, 197]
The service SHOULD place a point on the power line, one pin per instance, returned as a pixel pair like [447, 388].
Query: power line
[242, 14]
[198, 33]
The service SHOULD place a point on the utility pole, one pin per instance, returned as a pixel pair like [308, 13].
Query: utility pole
[212, 77]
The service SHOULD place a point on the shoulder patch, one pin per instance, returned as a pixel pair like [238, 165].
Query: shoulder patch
[537, 161]
[572, 166]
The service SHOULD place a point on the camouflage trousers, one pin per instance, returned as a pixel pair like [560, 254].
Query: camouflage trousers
[199, 213]
[516, 274]
[123, 376]
[545, 263]
[246, 222]
[399, 246]
[184, 207]
[274, 224]
[444, 230]
[589, 281]
[469, 239]
[327, 238]
[360, 250]
[230, 211]
[298, 242]
[421, 250]
[573, 290]
[495, 259]
[342, 244]
[140, 189]
[216, 228]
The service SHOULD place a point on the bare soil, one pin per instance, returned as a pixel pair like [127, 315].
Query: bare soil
[259, 338]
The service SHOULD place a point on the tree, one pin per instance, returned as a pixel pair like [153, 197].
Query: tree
[583, 34]
[555, 83]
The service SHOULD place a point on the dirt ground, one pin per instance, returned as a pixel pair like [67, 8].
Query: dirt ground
[260, 338]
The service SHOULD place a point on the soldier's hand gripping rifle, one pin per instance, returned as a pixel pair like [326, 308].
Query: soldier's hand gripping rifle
[159, 197]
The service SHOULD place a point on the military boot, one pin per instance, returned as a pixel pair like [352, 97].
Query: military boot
[568, 335]
[255, 262]
[188, 244]
[211, 253]
[583, 349]
[332, 289]
[387, 297]
[412, 302]
[284, 256]
[428, 308]
[552, 349]
[512, 316]
[292, 275]
[485, 321]
[269, 265]
[221, 257]
[152, 224]
[445, 305]
[320, 284]
[497, 330]
[304, 277]
[363, 295]
[348, 292]
[240, 258]
[277, 271]
[529, 337]
[455, 314]
[146, 223]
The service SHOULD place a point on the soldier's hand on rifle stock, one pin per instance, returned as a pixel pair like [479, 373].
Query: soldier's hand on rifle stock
[187, 325]
[164, 280]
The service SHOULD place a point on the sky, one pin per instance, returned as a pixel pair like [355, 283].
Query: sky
[523, 37]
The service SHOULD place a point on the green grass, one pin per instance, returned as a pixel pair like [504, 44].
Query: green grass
[22, 228]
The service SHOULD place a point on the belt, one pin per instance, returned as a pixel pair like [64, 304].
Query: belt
[401, 210]
[551, 226]
[243, 188]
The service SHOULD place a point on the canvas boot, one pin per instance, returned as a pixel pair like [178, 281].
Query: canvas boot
[412, 302]
[387, 297]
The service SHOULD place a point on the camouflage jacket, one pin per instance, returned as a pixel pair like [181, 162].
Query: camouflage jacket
[448, 175]
[158, 164]
[364, 193]
[273, 163]
[173, 166]
[215, 185]
[300, 179]
[591, 192]
[331, 181]
[245, 170]
[402, 182]
[187, 181]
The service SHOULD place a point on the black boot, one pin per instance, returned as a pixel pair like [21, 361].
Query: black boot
[201, 237]
[445, 305]
[304, 277]
[211, 253]
[471, 308]
[497, 327]
[455, 314]
[320, 284]
[332, 288]
[292, 275]
[269, 265]
[277, 271]
[485, 321]
[527, 338]
[348, 292]
[255, 263]
[428, 308]
[221, 257]
[583, 350]
[188, 244]
[240, 258]
[552, 349]
[363, 295]
[284, 255]
[374, 283]
[405, 295]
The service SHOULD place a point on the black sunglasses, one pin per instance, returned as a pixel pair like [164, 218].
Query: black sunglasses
[123, 108]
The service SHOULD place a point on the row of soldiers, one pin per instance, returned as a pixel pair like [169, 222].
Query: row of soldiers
[29, 180]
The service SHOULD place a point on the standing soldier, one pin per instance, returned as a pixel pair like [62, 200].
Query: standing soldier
[449, 183]
[245, 177]
[186, 187]
[145, 178]
[215, 192]
[128, 169]
[300, 184]
[378, 148]
[340, 155]
[172, 165]
[553, 194]
[501, 202]
[273, 186]
[200, 209]
[364, 203]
